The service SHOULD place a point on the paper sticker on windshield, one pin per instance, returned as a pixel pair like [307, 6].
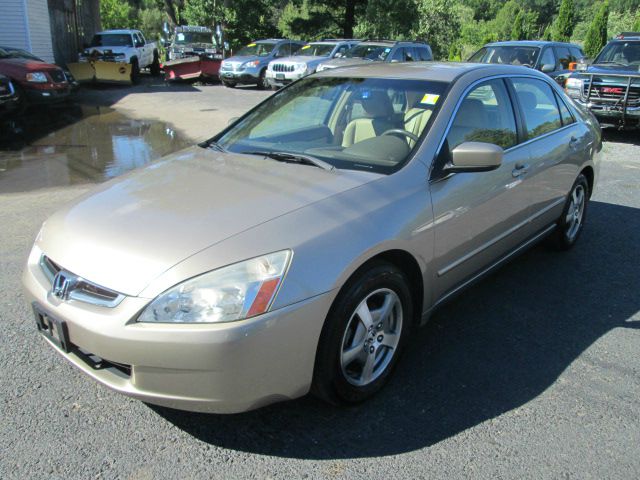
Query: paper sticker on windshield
[387, 50]
[429, 99]
[251, 45]
[305, 47]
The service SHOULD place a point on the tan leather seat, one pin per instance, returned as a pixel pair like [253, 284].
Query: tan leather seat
[379, 119]
[470, 118]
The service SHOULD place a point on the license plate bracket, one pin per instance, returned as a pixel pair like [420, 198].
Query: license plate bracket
[53, 329]
[279, 76]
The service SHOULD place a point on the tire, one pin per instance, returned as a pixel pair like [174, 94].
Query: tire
[229, 84]
[571, 222]
[135, 71]
[263, 83]
[358, 352]
[154, 68]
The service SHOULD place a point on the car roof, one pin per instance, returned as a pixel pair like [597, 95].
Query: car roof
[118, 31]
[531, 43]
[435, 71]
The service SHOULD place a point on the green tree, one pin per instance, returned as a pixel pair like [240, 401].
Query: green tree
[547, 35]
[116, 14]
[597, 34]
[636, 25]
[439, 25]
[505, 20]
[565, 23]
[517, 32]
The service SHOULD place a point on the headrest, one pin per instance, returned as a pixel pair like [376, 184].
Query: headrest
[377, 104]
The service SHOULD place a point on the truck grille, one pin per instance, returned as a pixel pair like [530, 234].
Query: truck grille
[608, 93]
[57, 76]
[282, 67]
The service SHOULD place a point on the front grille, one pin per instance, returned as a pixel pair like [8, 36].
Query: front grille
[608, 93]
[230, 67]
[82, 290]
[57, 76]
[282, 67]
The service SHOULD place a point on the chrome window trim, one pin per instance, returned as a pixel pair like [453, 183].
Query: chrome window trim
[458, 105]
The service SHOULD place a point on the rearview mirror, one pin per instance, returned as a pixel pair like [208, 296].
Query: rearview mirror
[547, 68]
[475, 157]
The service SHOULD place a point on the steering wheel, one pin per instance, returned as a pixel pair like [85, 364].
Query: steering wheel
[399, 131]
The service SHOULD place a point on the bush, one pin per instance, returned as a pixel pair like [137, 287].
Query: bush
[597, 35]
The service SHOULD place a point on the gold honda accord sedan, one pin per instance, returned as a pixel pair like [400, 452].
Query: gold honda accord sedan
[297, 250]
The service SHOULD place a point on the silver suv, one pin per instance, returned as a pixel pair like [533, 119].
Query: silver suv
[381, 51]
[306, 60]
[249, 65]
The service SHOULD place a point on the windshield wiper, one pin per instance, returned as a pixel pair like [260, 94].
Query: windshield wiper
[294, 158]
[215, 146]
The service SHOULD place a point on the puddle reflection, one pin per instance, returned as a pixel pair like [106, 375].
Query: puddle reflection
[76, 145]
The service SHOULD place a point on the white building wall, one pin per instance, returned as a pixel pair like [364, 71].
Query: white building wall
[13, 24]
[39, 29]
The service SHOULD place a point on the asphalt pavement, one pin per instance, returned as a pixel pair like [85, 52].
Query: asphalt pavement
[532, 373]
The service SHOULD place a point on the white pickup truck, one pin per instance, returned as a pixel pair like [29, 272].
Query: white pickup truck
[124, 46]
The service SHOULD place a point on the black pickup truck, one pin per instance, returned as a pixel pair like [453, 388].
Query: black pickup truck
[610, 86]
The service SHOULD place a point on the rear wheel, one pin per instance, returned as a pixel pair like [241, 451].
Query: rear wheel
[154, 68]
[363, 335]
[574, 214]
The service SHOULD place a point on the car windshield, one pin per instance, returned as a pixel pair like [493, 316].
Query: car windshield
[193, 37]
[256, 49]
[513, 55]
[369, 52]
[316, 49]
[9, 52]
[111, 40]
[623, 53]
[349, 123]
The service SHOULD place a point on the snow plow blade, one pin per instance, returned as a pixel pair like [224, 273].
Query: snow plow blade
[191, 67]
[82, 72]
[112, 72]
[101, 72]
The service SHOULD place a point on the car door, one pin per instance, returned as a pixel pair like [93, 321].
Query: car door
[479, 216]
[556, 144]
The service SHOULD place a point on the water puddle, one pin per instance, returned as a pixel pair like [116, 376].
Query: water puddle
[77, 145]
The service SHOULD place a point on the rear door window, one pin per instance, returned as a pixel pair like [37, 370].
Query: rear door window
[548, 58]
[538, 105]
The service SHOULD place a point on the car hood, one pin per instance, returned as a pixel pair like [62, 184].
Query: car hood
[346, 62]
[133, 229]
[247, 58]
[631, 69]
[17, 68]
[303, 59]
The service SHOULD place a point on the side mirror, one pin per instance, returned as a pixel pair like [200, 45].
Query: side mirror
[548, 68]
[475, 157]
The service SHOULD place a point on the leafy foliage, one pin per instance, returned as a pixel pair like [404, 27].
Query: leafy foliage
[115, 14]
[597, 35]
[564, 24]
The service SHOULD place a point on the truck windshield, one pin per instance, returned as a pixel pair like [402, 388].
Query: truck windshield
[111, 40]
[369, 52]
[512, 55]
[193, 37]
[256, 49]
[369, 124]
[623, 53]
[316, 49]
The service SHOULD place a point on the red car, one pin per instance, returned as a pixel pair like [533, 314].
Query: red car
[35, 80]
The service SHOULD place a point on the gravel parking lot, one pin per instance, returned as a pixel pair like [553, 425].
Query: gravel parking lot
[533, 373]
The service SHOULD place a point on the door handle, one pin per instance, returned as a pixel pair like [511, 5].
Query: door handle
[521, 169]
[573, 143]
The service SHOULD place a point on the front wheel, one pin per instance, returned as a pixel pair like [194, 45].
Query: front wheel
[571, 222]
[229, 84]
[263, 83]
[363, 335]
[154, 68]
[135, 71]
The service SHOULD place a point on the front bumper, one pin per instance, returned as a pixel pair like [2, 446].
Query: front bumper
[45, 94]
[248, 76]
[280, 79]
[219, 368]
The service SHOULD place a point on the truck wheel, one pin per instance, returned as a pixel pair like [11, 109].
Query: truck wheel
[229, 84]
[135, 71]
[155, 66]
[263, 83]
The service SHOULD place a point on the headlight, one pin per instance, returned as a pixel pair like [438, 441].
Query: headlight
[37, 77]
[255, 63]
[573, 86]
[236, 292]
